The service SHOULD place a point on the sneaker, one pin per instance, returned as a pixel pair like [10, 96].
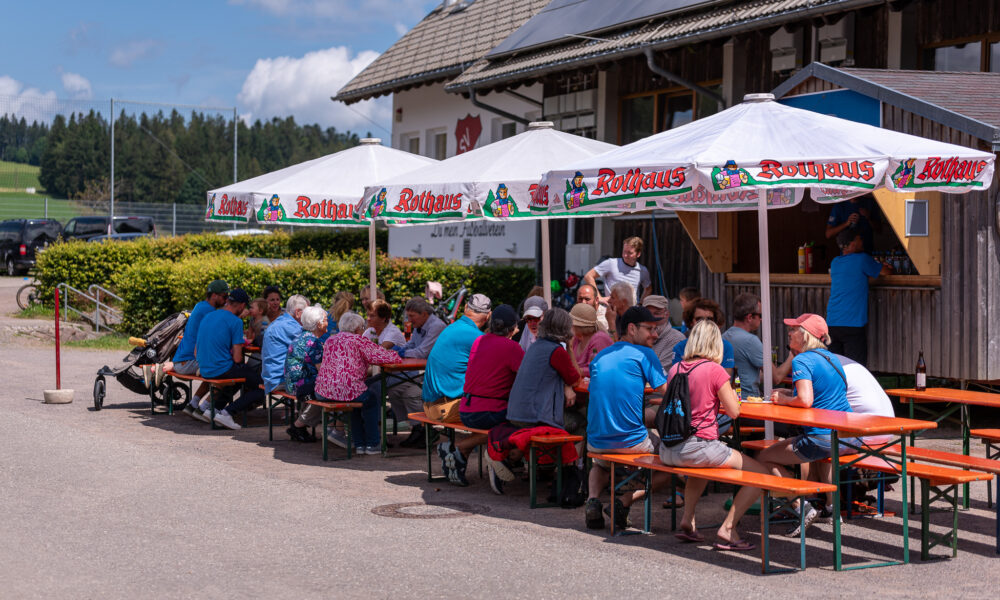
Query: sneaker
[147, 375]
[226, 420]
[457, 465]
[502, 470]
[592, 514]
[496, 482]
[811, 515]
[622, 522]
[444, 452]
[203, 415]
[337, 438]
[415, 439]
[373, 450]
[297, 434]
[158, 374]
[190, 411]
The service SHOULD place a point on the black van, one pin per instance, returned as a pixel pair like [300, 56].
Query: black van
[19, 238]
[87, 227]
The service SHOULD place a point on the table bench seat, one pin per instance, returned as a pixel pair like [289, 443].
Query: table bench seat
[214, 384]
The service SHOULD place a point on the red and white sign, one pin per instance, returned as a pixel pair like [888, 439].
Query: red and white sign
[467, 132]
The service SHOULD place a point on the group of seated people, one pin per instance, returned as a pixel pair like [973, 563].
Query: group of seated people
[492, 369]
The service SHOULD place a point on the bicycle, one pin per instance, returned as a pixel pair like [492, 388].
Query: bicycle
[28, 295]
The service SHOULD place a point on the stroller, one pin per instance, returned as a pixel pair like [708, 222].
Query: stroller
[156, 346]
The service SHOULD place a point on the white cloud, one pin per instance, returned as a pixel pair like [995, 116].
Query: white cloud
[130, 52]
[302, 87]
[77, 86]
[28, 102]
[401, 29]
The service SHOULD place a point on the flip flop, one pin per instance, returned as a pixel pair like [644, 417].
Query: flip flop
[689, 536]
[740, 546]
[675, 504]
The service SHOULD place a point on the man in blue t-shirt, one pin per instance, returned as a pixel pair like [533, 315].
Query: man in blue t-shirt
[747, 347]
[220, 356]
[847, 310]
[184, 361]
[616, 421]
[854, 215]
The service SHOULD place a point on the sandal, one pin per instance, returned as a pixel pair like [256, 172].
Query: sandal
[677, 503]
[737, 546]
[689, 536]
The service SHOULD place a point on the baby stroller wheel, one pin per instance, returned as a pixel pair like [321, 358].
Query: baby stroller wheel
[99, 388]
[178, 393]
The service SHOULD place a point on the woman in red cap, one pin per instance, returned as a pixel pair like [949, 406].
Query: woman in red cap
[819, 382]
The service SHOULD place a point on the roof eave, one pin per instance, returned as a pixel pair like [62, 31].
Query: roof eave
[917, 106]
[399, 84]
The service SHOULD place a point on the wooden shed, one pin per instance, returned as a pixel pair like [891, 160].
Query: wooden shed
[950, 307]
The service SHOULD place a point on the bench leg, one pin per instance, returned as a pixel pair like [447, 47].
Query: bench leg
[966, 425]
[326, 419]
[427, 442]
[270, 424]
[211, 397]
[927, 539]
[350, 434]
[533, 482]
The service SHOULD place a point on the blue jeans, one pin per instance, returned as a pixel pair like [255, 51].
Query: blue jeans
[365, 423]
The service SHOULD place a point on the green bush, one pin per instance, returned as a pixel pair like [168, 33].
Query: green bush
[152, 290]
[81, 264]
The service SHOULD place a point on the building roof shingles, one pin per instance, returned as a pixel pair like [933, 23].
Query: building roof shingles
[440, 46]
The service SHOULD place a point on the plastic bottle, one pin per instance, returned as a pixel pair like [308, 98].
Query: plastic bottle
[921, 383]
[802, 260]
[809, 257]
[774, 354]
[739, 388]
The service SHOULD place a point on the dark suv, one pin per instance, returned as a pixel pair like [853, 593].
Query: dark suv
[19, 238]
[87, 227]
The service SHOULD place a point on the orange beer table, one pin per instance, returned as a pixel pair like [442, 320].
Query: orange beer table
[954, 400]
[405, 371]
[849, 425]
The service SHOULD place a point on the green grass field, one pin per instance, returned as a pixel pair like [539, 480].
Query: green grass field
[16, 177]
[18, 205]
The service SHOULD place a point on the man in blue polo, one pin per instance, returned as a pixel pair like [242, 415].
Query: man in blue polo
[847, 310]
[220, 356]
[277, 337]
[616, 421]
[184, 361]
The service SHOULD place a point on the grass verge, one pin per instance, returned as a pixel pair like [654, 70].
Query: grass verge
[111, 341]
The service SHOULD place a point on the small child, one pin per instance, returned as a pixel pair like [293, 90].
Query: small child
[257, 315]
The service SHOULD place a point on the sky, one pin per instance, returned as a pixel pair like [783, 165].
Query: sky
[264, 57]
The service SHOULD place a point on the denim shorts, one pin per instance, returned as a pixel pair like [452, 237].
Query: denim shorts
[696, 452]
[484, 419]
[811, 447]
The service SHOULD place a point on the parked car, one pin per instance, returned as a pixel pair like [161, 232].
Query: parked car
[121, 237]
[236, 232]
[20, 238]
[87, 227]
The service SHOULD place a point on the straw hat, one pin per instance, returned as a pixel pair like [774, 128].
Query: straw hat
[584, 315]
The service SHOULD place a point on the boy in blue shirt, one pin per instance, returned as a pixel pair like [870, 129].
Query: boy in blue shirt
[847, 310]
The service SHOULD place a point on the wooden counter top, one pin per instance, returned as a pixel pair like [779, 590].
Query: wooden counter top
[823, 279]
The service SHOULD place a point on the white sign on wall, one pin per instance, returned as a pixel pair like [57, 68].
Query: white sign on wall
[465, 242]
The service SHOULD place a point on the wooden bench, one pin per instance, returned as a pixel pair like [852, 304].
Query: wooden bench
[450, 430]
[214, 385]
[952, 459]
[942, 481]
[336, 408]
[990, 439]
[275, 399]
[771, 486]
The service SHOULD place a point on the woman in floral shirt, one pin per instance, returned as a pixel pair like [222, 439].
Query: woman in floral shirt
[342, 379]
[302, 362]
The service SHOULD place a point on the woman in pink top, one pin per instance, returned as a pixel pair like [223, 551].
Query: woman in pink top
[341, 378]
[708, 388]
[587, 340]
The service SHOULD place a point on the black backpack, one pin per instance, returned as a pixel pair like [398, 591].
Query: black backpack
[673, 419]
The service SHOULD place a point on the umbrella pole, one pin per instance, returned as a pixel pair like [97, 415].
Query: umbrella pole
[546, 263]
[765, 303]
[371, 261]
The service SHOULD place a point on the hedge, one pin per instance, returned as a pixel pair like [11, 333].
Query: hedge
[154, 289]
[81, 264]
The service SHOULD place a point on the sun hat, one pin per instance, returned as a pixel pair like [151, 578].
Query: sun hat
[584, 315]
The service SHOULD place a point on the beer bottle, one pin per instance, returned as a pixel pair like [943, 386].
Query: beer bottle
[921, 373]
[738, 387]
[408, 329]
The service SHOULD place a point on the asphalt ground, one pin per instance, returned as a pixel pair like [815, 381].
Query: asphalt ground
[122, 504]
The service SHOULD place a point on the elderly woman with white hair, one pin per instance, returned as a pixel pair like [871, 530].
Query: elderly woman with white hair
[348, 355]
[302, 362]
[819, 382]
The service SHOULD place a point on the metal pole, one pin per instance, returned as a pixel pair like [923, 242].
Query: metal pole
[46, 207]
[111, 221]
[236, 133]
[173, 225]
[57, 340]
[372, 280]
[546, 264]
[765, 303]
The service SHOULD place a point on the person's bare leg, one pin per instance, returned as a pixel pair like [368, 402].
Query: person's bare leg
[824, 473]
[598, 478]
[693, 490]
[775, 457]
[467, 444]
[659, 480]
[744, 498]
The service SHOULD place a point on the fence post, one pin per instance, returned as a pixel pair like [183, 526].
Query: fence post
[46, 207]
[173, 226]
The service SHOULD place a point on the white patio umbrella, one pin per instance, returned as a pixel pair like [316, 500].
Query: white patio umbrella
[762, 154]
[498, 181]
[322, 191]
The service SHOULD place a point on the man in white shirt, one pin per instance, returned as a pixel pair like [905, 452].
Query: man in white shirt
[626, 268]
[865, 395]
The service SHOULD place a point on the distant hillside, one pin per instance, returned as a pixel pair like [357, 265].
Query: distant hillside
[16, 177]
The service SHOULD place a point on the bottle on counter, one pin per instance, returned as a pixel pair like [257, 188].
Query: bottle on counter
[802, 260]
[921, 379]
[810, 261]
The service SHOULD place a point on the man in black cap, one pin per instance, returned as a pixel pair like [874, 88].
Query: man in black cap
[616, 423]
[220, 356]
